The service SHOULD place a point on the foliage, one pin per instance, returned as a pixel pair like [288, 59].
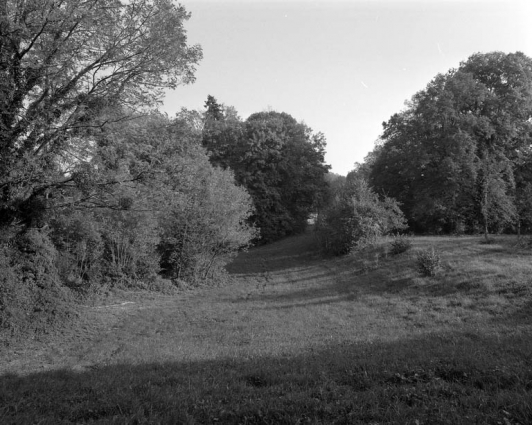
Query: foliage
[196, 212]
[67, 69]
[130, 241]
[400, 244]
[97, 189]
[428, 261]
[278, 160]
[523, 190]
[79, 243]
[455, 155]
[357, 218]
[31, 296]
[206, 225]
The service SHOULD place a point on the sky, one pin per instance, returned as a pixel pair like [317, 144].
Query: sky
[341, 67]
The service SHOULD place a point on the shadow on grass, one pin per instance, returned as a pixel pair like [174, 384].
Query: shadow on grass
[437, 379]
[343, 283]
[287, 253]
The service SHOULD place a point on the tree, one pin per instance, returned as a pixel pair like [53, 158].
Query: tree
[69, 71]
[278, 160]
[523, 189]
[282, 164]
[62, 65]
[222, 133]
[200, 214]
[214, 109]
[496, 186]
[460, 137]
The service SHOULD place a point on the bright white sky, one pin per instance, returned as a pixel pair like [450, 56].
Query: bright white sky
[342, 67]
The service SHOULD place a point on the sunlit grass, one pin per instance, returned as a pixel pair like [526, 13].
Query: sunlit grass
[301, 339]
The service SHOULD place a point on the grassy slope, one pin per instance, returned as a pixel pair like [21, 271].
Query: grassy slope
[299, 339]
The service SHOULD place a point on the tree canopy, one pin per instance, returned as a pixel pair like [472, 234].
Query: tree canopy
[279, 161]
[453, 156]
[68, 68]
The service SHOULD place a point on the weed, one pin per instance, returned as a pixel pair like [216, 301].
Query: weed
[428, 262]
[400, 244]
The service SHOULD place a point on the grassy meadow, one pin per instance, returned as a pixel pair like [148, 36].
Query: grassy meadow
[298, 339]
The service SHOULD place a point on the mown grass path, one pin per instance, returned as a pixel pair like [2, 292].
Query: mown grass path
[296, 338]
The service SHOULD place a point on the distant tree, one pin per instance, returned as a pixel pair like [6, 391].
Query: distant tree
[496, 187]
[335, 183]
[523, 192]
[278, 160]
[222, 133]
[282, 164]
[214, 109]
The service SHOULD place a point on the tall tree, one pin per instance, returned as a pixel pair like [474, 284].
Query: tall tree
[282, 163]
[222, 132]
[61, 65]
[278, 160]
[460, 137]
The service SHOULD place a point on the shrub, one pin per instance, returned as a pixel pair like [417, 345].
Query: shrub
[357, 218]
[130, 241]
[32, 300]
[77, 238]
[400, 244]
[206, 225]
[428, 262]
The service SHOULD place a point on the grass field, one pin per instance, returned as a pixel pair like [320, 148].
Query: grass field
[298, 339]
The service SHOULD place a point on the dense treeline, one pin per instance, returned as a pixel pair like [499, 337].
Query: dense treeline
[459, 157]
[278, 160]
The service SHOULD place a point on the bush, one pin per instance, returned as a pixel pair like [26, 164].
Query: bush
[206, 224]
[77, 238]
[130, 242]
[400, 244]
[32, 300]
[357, 218]
[428, 262]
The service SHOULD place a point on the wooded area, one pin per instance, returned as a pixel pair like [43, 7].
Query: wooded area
[99, 189]
[459, 156]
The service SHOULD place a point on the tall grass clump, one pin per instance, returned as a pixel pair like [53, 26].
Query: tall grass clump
[428, 261]
[400, 244]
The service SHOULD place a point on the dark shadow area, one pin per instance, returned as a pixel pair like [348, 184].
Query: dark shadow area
[293, 251]
[351, 296]
[378, 281]
[522, 315]
[307, 295]
[437, 379]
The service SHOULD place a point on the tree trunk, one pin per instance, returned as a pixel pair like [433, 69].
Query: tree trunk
[485, 207]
